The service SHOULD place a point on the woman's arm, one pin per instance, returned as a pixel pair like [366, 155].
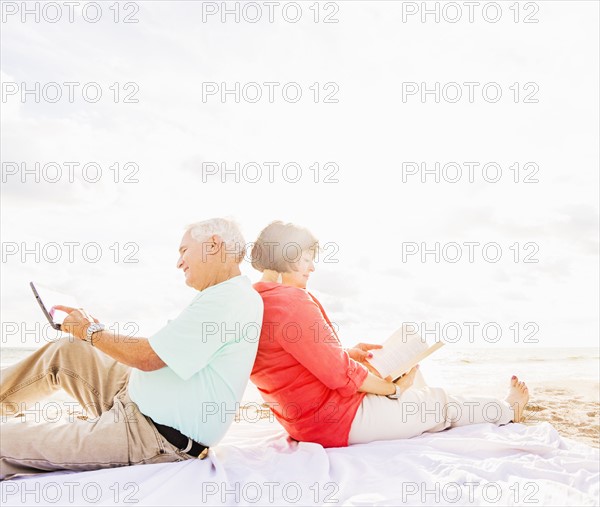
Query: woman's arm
[302, 331]
[376, 385]
[314, 345]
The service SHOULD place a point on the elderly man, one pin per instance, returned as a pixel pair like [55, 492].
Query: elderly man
[162, 399]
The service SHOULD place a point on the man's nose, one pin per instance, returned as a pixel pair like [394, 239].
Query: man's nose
[179, 263]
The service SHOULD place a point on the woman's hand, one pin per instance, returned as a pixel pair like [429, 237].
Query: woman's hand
[406, 380]
[360, 353]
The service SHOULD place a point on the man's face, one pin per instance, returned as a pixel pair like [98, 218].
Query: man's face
[196, 260]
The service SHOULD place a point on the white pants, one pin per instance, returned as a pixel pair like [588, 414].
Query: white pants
[421, 409]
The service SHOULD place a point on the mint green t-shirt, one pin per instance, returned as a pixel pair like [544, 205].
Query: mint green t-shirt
[209, 350]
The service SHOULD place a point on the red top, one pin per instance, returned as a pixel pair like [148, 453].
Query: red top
[301, 370]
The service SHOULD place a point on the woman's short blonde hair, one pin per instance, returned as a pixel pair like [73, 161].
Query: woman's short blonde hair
[279, 246]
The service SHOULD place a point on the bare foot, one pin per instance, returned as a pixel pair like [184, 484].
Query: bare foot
[517, 397]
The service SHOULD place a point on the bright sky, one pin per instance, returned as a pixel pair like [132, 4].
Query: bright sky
[374, 216]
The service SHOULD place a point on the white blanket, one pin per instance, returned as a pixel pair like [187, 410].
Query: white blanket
[257, 464]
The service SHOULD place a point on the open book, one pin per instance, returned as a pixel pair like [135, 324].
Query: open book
[400, 352]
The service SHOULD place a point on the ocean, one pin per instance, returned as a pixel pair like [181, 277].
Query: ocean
[484, 370]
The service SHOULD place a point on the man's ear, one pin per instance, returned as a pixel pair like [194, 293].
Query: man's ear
[216, 243]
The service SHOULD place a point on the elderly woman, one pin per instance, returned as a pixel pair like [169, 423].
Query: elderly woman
[322, 393]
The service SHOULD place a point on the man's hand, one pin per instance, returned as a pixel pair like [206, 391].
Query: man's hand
[76, 322]
[360, 353]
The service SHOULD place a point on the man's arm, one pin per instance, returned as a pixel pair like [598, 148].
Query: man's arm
[135, 352]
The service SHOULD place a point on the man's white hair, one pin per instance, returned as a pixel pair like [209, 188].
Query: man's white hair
[227, 229]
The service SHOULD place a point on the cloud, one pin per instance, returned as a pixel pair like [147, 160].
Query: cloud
[369, 212]
[451, 298]
[574, 225]
[338, 282]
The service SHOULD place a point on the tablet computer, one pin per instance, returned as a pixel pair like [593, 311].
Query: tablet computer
[46, 298]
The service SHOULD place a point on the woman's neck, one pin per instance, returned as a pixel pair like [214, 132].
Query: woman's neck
[271, 276]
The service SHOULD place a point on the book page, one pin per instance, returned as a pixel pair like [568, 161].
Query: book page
[408, 365]
[400, 352]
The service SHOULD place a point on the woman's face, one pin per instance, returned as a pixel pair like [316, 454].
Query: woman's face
[305, 266]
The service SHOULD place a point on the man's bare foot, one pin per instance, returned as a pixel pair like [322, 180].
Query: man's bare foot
[517, 397]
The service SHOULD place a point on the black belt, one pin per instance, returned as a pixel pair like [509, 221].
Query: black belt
[182, 442]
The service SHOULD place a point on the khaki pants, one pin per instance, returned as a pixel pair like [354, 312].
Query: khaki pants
[422, 409]
[115, 433]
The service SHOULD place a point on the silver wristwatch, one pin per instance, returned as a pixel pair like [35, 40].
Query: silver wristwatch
[92, 328]
[396, 395]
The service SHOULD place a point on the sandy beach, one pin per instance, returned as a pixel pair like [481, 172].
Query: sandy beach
[568, 411]
[563, 383]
